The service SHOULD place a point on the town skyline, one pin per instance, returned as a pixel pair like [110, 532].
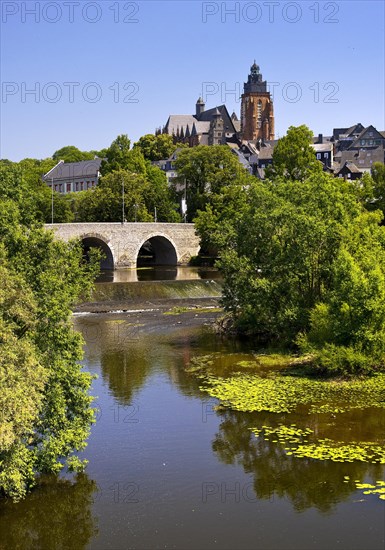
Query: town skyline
[128, 77]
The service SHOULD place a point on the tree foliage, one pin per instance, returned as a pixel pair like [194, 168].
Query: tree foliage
[205, 171]
[145, 188]
[303, 261]
[70, 153]
[45, 408]
[157, 147]
[293, 156]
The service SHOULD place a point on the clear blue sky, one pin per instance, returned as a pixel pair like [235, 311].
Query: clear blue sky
[327, 55]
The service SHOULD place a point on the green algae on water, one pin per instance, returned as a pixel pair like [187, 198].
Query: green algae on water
[283, 391]
[279, 391]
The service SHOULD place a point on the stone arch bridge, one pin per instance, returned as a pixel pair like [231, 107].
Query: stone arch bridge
[171, 243]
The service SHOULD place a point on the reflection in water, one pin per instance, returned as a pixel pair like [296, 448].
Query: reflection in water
[159, 273]
[57, 514]
[305, 482]
[158, 434]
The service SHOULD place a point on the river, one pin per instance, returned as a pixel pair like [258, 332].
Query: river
[166, 470]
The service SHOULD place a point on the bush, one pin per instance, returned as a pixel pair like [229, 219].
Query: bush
[344, 361]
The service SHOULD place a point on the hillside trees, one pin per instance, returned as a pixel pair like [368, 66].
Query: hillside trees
[206, 171]
[145, 189]
[157, 147]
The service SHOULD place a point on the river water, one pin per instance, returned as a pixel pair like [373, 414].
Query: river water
[166, 470]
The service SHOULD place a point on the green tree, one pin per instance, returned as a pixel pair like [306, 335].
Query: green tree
[157, 194]
[157, 147]
[293, 156]
[105, 202]
[117, 155]
[205, 170]
[44, 402]
[376, 199]
[70, 153]
[22, 182]
[347, 328]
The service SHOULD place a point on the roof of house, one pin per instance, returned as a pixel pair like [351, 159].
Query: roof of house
[320, 147]
[351, 167]
[363, 158]
[347, 132]
[377, 134]
[266, 153]
[71, 170]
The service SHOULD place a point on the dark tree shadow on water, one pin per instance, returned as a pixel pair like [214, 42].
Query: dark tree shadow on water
[56, 515]
[306, 483]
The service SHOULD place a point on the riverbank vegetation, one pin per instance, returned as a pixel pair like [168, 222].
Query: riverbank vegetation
[303, 259]
[45, 407]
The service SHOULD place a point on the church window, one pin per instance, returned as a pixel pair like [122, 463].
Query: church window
[259, 109]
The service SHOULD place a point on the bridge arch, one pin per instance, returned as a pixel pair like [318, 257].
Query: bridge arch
[94, 240]
[156, 249]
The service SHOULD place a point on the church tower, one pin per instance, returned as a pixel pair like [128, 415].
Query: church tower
[257, 113]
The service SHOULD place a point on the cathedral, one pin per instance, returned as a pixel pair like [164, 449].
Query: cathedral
[257, 114]
[216, 127]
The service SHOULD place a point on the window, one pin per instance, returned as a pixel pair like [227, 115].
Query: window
[68, 188]
[370, 142]
[349, 176]
[363, 142]
[259, 109]
[318, 156]
[326, 155]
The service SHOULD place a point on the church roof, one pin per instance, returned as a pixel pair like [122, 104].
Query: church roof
[176, 122]
[208, 115]
[200, 124]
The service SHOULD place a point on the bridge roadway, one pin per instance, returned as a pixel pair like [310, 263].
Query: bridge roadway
[172, 243]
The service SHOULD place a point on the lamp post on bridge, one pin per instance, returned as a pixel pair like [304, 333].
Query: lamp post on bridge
[123, 219]
[52, 200]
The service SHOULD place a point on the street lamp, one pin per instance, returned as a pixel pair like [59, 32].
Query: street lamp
[52, 200]
[123, 201]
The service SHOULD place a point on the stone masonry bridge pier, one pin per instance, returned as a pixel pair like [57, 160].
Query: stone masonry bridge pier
[170, 243]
